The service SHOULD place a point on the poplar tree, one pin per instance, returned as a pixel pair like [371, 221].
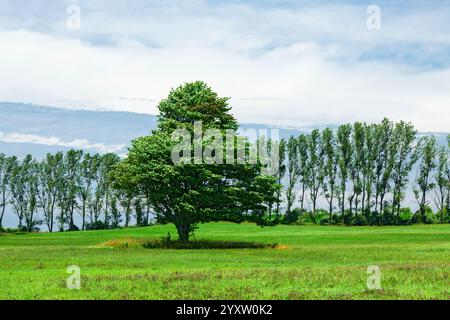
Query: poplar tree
[6, 168]
[49, 179]
[405, 156]
[315, 168]
[442, 182]
[427, 153]
[331, 167]
[302, 148]
[280, 173]
[383, 164]
[345, 159]
[292, 173]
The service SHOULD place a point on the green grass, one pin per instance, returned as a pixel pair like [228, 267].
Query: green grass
[311, 262]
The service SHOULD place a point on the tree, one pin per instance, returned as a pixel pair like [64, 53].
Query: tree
[71, 174]
[108, 161]
[86, 178]
[31, 170]
[18, 190]
[187, 193]
[442, 182]
[331, 168]
[315, 168]
[24, 190]
[384, 161]
[427, 151]
[302, 151]
[405, 156]
[281, 172]
[97, 197]
[49, 179]
[356, 165]
[371, 149]
[292, 173]
[6, 168]
[345, 158]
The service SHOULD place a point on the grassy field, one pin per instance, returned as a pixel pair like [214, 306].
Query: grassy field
[311, 262]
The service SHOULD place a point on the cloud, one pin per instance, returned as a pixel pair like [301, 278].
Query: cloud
[54, 141]
[296, 65]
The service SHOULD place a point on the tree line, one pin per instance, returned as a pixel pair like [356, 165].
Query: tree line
[356, 174]
[53, 191]
[362, 172]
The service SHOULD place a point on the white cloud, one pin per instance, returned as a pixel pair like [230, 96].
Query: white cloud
[284, 67]
[54, 141]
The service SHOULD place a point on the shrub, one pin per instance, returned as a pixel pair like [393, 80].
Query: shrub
[292, 217]
[322, 215]
[405, 216]
[359, 220]
[98, 225]
[14, 231]
[73, 228]
[389, 218]
[347, 218]
[168, 243]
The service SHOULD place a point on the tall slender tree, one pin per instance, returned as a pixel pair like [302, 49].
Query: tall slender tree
[292, 173]
[86, 178]
[442, 182]
[18, 183]
[280, 173]
[72, 172]
[384, 164]
[406, 155]
[356, 166]
[371, 149]
[427, 152]
[315, 168]
[49, 179]
[31, 170]
[331, 168]
[108, 162]
[302, 150]
[345, 159]
[6, 168]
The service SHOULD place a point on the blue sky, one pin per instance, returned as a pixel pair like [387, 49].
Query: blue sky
[291, 63]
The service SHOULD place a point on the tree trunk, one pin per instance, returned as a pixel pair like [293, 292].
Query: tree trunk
[381, 207]
[183, 231]
[302, 203]
[363, 200]
[331, 209]
[314, 211]
[83, 224]
[350, 202]
[422, 206]
[2, 214]
[3, 209]
[71, 217]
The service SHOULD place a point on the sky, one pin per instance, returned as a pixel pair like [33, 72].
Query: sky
[283, 63]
